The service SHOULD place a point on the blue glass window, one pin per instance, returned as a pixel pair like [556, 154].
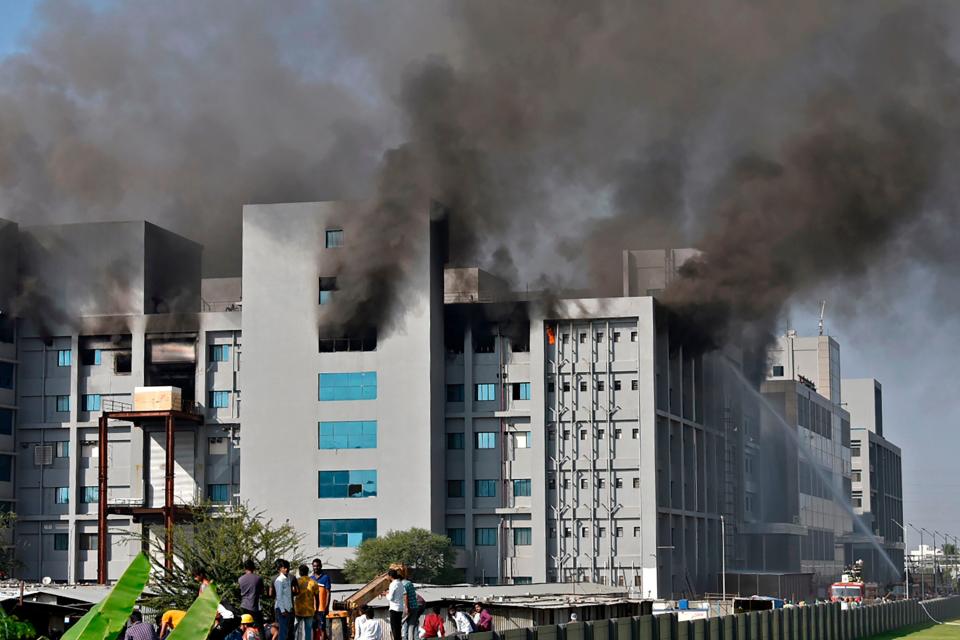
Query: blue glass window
[219, 399]
[6, 375]
[334, 239]
[218, 492]
[348, 386]
[454, 488]
[522, 580]
[90, 357]
[523, 536]
[346, 533]
[219, 353]
[6, 468]
[485, 488]
[485, 536]
[358, 434]
[484, 392]
[524, 390]
[454, 441]
[457, 536]
[64, 357]
[89, 494]
[63, 404]
[327, 287]
[454, 393]
[348, 484]
[521, 488]
[60, 541]
[91, 402]
[485, 440]
[61, 495]
[6, 421]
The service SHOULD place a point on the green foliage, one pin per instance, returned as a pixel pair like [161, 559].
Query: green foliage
[430, 557]
[107, 618]
[220, 541]
[950, 549]
[200, 617]
[13, 629]
[9, 565]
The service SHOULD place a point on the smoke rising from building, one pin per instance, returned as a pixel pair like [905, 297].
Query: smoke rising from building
[795, 145]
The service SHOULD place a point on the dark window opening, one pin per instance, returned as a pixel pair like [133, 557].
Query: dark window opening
[327, 287]
[484, 344]
[122, 362]
[520, 346]
[778, 371]
[367, 342]
[6, 328]
[454, 342]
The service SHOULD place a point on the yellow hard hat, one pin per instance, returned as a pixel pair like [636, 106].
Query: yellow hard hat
[246, 619]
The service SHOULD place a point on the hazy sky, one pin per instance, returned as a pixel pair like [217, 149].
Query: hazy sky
[892, 336]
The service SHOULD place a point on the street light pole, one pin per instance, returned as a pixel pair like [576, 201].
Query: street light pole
[723, 557]
[920, 531]
[906, 567]
[934, 563]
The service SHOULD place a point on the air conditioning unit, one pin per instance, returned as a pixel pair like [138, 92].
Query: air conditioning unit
[43, 455]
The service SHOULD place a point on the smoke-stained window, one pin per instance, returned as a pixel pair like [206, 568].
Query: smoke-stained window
[334, 238]
[7, 370]
[6, 421]
[91, 357]
[327, 287]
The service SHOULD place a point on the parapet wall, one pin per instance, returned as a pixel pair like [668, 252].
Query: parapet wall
[815, 622]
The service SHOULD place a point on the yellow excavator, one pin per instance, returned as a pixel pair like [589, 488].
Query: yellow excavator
[344, 612]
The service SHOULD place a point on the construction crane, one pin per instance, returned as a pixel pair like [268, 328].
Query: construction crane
[344, 612]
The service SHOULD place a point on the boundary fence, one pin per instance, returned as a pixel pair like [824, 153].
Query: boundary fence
[813, 622]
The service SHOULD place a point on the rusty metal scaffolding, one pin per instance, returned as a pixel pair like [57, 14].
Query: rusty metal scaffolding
[169, 510]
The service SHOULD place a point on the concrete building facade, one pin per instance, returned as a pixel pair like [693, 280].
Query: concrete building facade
[877, 492]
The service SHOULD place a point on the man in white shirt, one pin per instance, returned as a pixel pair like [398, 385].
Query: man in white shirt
[395, 598]
[283, 594]
[462, 621]
[366, 627]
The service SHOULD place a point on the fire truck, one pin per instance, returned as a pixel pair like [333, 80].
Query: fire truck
[851, 587]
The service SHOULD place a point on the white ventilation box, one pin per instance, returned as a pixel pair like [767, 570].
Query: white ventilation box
[157, 399]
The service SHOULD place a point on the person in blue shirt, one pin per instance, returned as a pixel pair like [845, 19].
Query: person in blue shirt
[323, 581]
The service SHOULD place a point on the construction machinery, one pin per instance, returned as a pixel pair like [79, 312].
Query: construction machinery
[344, 612]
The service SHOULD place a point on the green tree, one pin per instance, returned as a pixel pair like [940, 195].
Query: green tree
[9, 565]
[219, 541]
[949, 549]
[430, 557]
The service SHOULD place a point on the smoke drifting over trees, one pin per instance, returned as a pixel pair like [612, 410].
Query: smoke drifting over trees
[797, 144]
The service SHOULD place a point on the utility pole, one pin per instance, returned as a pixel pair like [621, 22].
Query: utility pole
[934, 563]
[906, 566]
[920, 531]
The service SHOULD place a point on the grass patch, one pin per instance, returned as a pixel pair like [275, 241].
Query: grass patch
[927, 631]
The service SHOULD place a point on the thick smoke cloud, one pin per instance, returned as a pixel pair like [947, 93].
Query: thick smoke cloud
[791, 142]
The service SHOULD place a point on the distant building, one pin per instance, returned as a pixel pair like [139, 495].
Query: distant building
[877, 491]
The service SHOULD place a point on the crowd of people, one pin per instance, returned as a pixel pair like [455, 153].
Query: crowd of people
[300, 608]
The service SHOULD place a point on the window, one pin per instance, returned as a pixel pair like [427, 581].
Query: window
[219, 399]
[334, 240]
[778, 371]
[602, 532]
[91, 357]
[521, 390]
[599, 336]
[485, 536]
[454, 441]
[6, 468]
[583, 385]
[634, 385]
[91, 402]
[363, 341]
[89, 494]
[636, 483]
[485, 392]
[522, 488]
[748, 465]
[6, 329]
[350, 434]
[6, 421]
[583, 338]
[855, 451]
[522, 580]
[327, 287]
[454, 393]
[520, 345]
[522, 439]
[88, 542]
[618, 483]
[122, 362]
[457, 536]
[219, 353]
[348, 484]
[601, 483]
[218, 492]
[485, 488]
[748, 502]
[454, 488]
[6, 375]
[64, 356]
[346, 533]
[60, 541]
[616, 385]
[484, 343]
[348, 386]
[485, 440]
[636, 532]
[618, 532]
[601, 385]
[63, 449]
[61, 495]
[566, 386]
[635, 433]
[618, 433]
[616, 336]
[583, 434]
[633, 336]
[856, 477]
[63, 404]
[583, 483]
[523, 536]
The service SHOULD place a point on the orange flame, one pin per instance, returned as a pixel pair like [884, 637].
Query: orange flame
[551, 336]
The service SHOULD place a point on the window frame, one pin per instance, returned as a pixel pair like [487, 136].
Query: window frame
[482, 486]
[483, 389]
[333, 238]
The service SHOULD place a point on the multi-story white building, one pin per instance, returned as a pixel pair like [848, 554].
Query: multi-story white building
[877, 484]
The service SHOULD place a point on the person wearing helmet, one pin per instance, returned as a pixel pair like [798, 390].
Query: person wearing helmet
[249, 628]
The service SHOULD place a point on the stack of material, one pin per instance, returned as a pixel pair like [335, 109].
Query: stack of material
[156, 399]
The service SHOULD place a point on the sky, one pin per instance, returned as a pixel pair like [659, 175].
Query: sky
[893, 338]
